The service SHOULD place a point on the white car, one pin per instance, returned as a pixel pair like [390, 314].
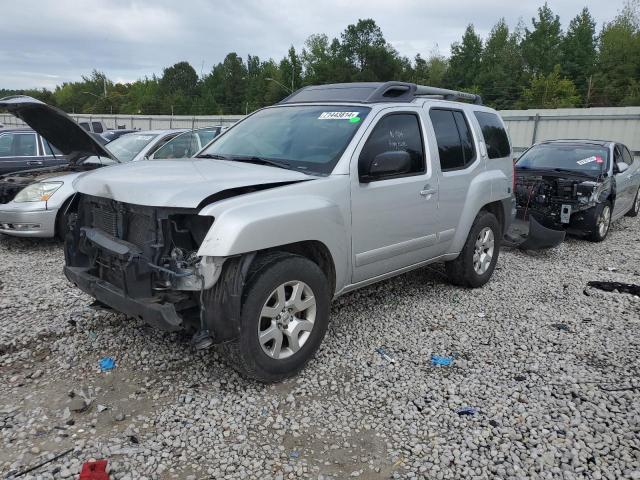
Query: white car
[31, 201]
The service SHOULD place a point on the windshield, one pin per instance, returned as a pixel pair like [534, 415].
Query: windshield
[308, 138]
[589, 159]
[126, 147]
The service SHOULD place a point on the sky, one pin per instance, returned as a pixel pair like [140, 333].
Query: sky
[47, 42]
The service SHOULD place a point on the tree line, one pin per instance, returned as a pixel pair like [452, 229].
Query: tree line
[538, 65]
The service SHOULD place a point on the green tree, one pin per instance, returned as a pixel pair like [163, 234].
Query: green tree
[541, 47]
[578, 50]
[464, 63]
[550, 91]
[618, 63]
[179, 78]
[501, 67]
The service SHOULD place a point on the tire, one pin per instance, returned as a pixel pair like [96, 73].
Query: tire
[601, 222]
[469, 270]
[635, 207]
[61, 222]
[276, 355]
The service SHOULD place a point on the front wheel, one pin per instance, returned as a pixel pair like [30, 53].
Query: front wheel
[477, 260]
[285, 314]
[601, 223]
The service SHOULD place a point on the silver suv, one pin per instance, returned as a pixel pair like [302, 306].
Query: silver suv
[334, 188]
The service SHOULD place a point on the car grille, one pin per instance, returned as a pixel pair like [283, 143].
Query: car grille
[124, 222]
[105, 219]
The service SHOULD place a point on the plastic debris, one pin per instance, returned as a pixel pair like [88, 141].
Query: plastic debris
[616, 287]
[107, 363]
[94, 471]
[384, 354]
[101, 408]
[467, 411]
[563, 327]
[294, 454]
[481, 314]
[437, 360]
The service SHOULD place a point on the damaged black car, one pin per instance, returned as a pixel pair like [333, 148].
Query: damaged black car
[574, 186]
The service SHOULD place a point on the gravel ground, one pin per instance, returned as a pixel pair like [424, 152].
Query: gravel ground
[551, 371]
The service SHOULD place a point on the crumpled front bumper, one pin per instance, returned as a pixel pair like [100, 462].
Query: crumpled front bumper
[532, 235]
[159, 315]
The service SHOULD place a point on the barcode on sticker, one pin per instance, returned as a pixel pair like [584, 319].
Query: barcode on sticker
[338, 115]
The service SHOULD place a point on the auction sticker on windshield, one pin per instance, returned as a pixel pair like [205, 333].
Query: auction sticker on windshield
[594, 158]
[338, 115]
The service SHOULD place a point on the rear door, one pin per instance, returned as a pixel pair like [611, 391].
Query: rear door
[459, 163]
[19, 151]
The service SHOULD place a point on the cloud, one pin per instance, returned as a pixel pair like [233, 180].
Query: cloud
[47, 42]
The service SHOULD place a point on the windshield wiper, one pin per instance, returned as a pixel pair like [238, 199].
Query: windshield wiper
[262, 161]
[215, 156]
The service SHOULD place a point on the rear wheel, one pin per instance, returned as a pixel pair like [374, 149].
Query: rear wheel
[635, 208]
[284, 317]
[477, 260]
[601, 223]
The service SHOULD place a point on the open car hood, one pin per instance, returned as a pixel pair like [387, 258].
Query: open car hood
[58, 128]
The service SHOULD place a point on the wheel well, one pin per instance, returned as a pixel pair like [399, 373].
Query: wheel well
[497, 210]
[60, 212]
[318, 253]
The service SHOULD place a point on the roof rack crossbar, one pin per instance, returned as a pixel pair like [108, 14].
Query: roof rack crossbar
[448, 94]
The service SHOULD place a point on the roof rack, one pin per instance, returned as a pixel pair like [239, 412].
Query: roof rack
[375, 92]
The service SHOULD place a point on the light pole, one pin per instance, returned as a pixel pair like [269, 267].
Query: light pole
[290, 90]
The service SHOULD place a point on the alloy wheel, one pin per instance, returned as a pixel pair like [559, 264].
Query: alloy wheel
[603, 221]
[483, 253]
[287, 319]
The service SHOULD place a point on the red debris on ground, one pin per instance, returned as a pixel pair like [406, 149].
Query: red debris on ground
[94, 471]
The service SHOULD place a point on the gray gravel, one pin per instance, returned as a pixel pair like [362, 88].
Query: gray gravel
[534, 355]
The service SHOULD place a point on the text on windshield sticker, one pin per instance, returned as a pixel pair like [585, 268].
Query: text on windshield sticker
[594, 158]
[338, 115]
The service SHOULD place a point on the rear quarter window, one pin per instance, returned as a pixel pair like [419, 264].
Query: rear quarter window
[495, 136]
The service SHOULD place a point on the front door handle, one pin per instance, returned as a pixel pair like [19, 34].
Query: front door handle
[427, 192]
[34, 162]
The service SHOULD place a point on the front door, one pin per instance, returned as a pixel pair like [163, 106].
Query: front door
[394, 216]
[623, 181]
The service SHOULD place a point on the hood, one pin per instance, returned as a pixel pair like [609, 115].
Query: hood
[55, 126]
[40, 174]
[182, 183]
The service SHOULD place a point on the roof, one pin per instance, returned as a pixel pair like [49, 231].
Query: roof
[374, 92]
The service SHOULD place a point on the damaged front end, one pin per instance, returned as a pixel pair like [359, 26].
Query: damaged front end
[550, 204]
[140, 260]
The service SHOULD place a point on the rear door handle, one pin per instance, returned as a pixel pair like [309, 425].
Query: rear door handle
[34, 162]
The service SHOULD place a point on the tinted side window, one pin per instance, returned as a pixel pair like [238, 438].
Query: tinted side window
[495, 136]
[397, 132]
[6, 141]
[449, 144]
[85, 125]
[466, 139]
[24, 145]
[97, 127]
[626, 156]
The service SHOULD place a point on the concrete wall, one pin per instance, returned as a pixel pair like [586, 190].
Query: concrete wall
[621, 124]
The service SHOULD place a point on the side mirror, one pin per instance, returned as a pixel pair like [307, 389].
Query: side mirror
[384, 164]
[622, 167]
